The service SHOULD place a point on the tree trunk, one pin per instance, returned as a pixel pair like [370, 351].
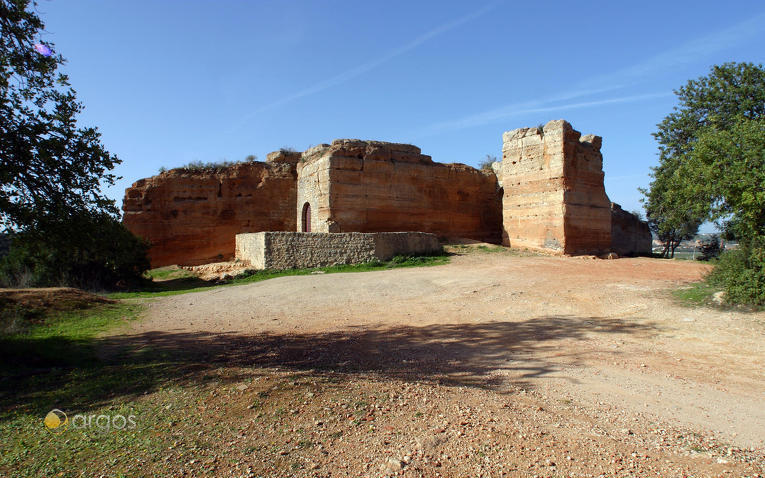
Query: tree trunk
[674, 246]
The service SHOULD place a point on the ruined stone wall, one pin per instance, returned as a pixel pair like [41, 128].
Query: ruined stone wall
[554, 197]
[630, 236]
[298, 250]
[192, 216]
[313, 189]
[377, 187]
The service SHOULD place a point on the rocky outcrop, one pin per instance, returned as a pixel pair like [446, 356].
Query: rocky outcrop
[630, 236]
[554, 198]
[373, 186]
[193, 216]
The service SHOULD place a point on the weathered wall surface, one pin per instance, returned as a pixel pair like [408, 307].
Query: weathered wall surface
[313, 189]
[554, 197]
[192, 216]
[375, 186]
[298, 250]
[629, 235]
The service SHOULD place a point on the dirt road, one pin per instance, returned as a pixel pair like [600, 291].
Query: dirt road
[589, 338]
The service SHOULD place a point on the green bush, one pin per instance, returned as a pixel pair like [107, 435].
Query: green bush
[89, 250]
[741, 274]
[710, 249]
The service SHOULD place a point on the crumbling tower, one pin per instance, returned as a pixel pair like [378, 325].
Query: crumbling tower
[553, 196]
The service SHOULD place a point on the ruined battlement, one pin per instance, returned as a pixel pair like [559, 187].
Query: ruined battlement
[367, 149]
[547, 193]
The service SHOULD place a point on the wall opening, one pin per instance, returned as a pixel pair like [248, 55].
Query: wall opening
[306, 218]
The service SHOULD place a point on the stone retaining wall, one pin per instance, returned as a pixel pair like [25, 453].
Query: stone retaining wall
[301, 250]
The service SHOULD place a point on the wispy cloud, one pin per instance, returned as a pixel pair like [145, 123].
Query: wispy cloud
[526, 108]
[687, 53]
[374, 63]
[670, 59]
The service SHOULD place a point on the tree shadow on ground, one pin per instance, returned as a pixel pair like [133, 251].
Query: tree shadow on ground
[490, 355]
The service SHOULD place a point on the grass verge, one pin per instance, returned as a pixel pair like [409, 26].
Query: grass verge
[185, 285]
[51, 360]
[696, 295]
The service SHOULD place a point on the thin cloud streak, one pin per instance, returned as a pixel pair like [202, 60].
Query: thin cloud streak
[510, 111]
[688, 53]
[370, 65]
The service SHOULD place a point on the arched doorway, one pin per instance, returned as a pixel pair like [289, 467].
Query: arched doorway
[306, 218]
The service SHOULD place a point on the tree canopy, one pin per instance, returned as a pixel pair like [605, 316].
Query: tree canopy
[712, 167]
[711, 156]
[64, 230]
[49, 165]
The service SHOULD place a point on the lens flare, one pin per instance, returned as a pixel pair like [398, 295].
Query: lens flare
[42, 49]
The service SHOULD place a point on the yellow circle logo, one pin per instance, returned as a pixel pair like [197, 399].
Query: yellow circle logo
[56, 420]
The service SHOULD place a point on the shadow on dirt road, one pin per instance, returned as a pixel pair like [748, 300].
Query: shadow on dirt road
[452, 354]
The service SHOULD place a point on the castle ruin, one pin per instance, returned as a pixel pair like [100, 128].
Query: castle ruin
[547, 194]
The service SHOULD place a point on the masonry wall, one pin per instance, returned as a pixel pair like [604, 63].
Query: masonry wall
[192, 216]
[629, 235]
[313, 189]
[298, 250]
[378, 187]
[554, 197]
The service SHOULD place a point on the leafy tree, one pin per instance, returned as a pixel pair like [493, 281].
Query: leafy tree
[712, 167]
[703, 146]
[51, 168]
[672, 216]
[727, 169]
[83, 249]
[46, 160]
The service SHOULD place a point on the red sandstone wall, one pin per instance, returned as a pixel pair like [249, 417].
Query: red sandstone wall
[192, 217]
[554, 197]
[587, 208]
[384, 187]
[629, 235]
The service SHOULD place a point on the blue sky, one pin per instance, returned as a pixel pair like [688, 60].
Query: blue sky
[169, 82]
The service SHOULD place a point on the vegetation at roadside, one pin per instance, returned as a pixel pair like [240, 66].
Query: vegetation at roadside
[88, 250]
[488, 249]
[186, 284]
[712, 168]
[697, 294]
[169, 273]
[741, 274]
[38, 339]
[50, 359]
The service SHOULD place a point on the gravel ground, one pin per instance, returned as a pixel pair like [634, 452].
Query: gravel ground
[492, 365]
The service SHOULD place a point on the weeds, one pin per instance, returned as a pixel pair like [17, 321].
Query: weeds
[186, 284]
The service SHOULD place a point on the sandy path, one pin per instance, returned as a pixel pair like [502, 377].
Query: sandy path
[603, 334]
